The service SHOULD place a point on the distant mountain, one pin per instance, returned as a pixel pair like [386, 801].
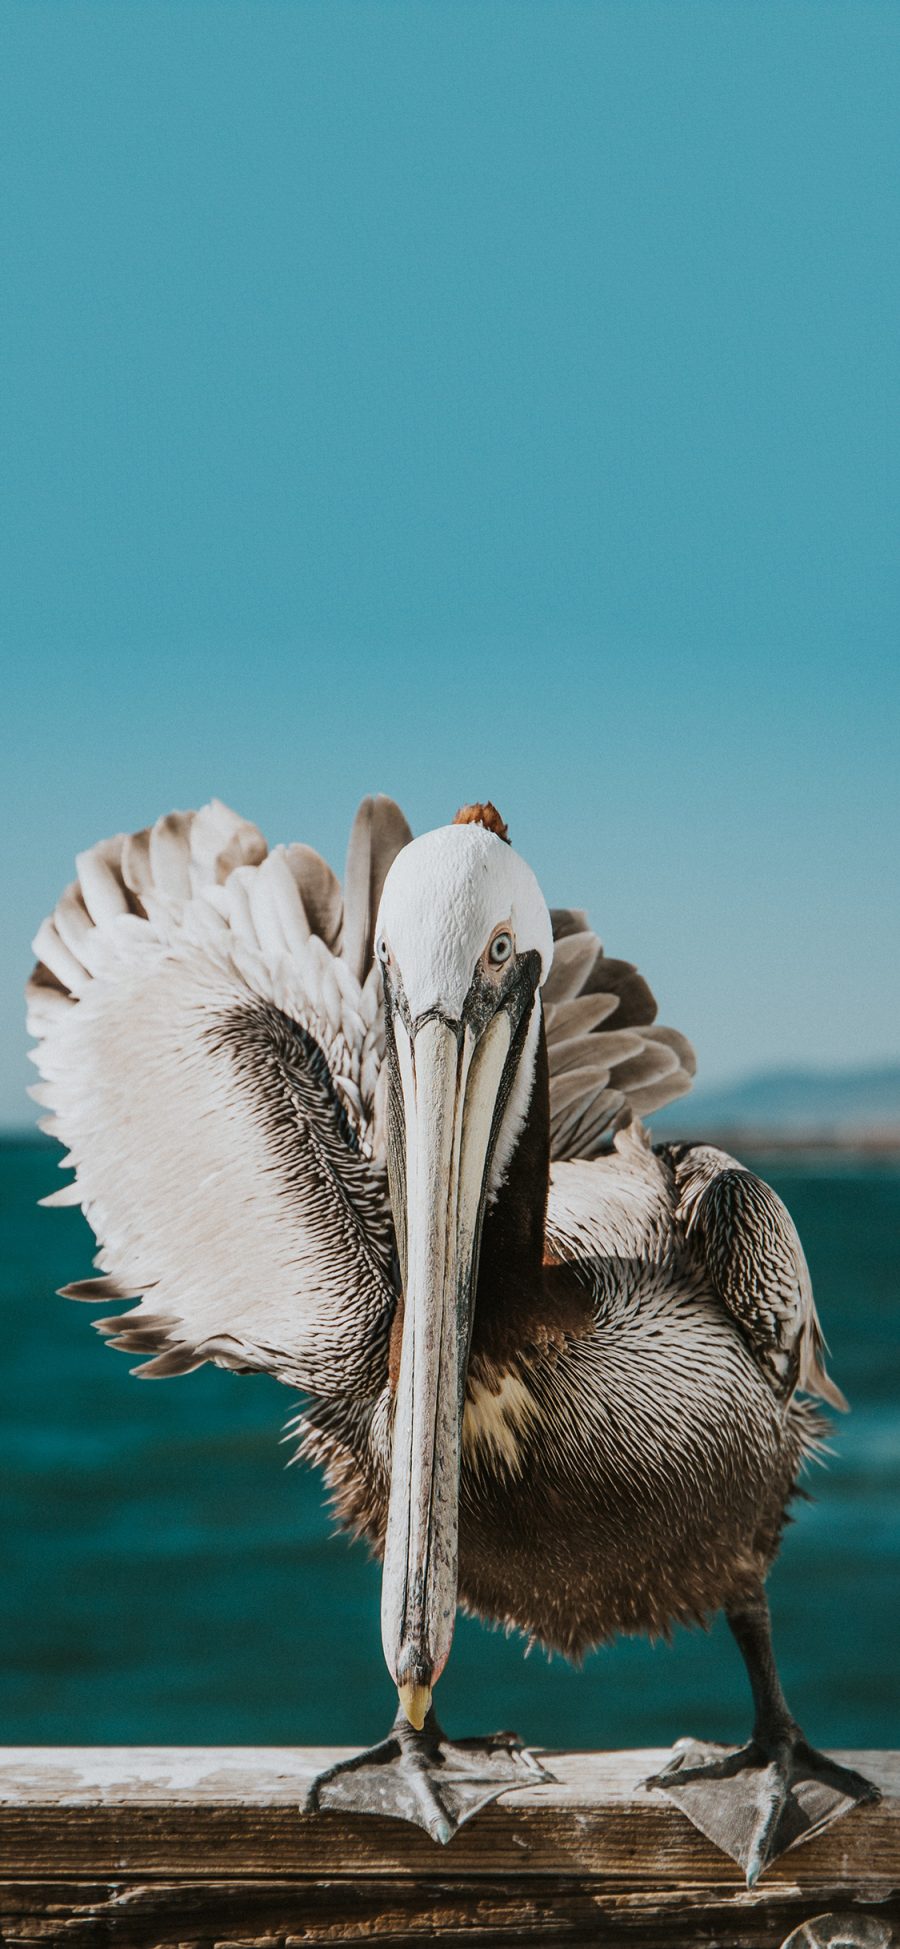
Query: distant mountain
[793, 1103]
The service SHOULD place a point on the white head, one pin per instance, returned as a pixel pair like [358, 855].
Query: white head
[447, 897]
[464, 940]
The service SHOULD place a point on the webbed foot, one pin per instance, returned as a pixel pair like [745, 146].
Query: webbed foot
[426, 1778]
[756, 1801]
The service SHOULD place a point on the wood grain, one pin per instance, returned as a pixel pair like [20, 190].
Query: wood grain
[205, 1848]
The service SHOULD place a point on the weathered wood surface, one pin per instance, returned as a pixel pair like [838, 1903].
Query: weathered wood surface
[153, 1848]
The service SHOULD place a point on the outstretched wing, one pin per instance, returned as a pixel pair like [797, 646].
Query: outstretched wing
[609, 1061]
[211, 1062]
[756, 1265]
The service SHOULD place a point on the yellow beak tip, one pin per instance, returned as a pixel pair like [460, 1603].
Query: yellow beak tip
[415, 1700]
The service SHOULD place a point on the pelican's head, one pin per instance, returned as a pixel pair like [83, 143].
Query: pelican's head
[464, 940]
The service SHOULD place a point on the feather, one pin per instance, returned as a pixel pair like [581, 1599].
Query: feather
[756, 1265]
[586, 1126]
[279, 922]
[153, 1326]
[60, 960]
[319, 891]
[170, 856]
[221, 840]
[293, 918]
[40, 1093]
[650, 1064]
[44, 985]
[237, 908]
[218, 1154]
[100, 879]
[378, 834]
[637, 1006]
[574, 1086]
[45, 1003]
[138, 1341]
[568, 920]
[180, 1360]
[578, 1017]
[573, 960]
[137, 871]
[68, 1194]
[74, 925]
[627, 1069]
[606, 1051]
[676, 1041]
[94, 1291]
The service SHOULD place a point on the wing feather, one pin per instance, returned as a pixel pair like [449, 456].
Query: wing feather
[378, 834]
[609, 1060]
[320, 891]
[756, 1265]
[212, 1067]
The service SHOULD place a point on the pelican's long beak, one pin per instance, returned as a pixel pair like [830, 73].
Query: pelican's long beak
[450, 1084]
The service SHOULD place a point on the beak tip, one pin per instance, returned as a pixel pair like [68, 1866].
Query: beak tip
[415, 1701]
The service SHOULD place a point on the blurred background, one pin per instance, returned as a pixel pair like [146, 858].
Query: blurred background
[496, 398]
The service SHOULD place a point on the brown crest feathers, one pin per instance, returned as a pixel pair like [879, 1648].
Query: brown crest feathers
[483, 815]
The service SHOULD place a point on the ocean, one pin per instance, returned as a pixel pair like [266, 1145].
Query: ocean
[167, 1578]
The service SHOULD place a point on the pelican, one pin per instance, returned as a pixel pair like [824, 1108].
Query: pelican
[387, 1145]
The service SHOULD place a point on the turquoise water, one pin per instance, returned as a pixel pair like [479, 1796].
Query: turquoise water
[166, 1578]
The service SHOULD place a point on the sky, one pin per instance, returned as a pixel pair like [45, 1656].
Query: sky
[464, 399]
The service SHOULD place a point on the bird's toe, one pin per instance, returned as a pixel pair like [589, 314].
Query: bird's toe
[765, 1843]
[681, 1770]
[810, 1764]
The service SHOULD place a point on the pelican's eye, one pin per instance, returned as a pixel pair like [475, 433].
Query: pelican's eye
[382, 950]
[500, 949]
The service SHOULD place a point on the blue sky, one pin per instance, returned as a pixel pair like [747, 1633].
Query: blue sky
[459, 399]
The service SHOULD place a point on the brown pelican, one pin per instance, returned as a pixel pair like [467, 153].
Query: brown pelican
[388, 1147]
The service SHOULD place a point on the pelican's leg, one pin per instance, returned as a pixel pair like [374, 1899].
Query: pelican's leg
[425, 1777]
[756, 1801]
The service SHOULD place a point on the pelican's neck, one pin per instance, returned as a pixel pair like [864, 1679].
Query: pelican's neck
[524, 1307]
[511, 1265]
[518, 1104]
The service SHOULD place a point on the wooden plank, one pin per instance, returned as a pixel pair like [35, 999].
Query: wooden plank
[160, 1846]
[287, 1914]
[164, 1810]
